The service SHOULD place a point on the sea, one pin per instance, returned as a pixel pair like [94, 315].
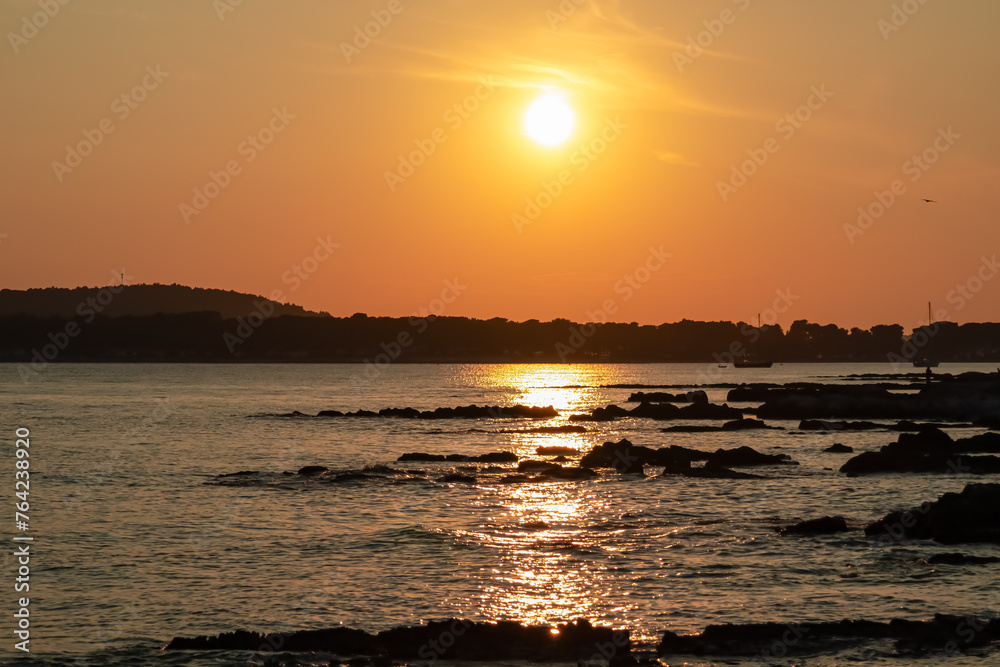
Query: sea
[137, 539]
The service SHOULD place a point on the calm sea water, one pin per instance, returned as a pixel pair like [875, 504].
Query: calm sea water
[134, 544]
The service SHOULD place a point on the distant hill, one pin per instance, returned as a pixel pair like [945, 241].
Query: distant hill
[136, 300]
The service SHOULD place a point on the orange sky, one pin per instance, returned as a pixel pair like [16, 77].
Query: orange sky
[666, 124]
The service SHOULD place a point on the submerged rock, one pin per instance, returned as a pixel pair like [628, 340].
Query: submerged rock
[457, 479]
[941, 634]
[826, 525]
[557, 450]
[455, 639]
[746, 456]
[461, 412]
[961, 559]
[312, 471]
[967, 517]
[491, 457]
[735, 425]
[838, 448]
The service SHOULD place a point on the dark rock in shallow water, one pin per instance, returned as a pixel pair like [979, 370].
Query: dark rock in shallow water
[461, 412]
[623, 455]
[970, 516]
[735, 425]
[656, 397]
[608, 414]
[514, 479]
[565, 473]
[961, 559]
[746, 456]
[536, 465]
[759, 639]
[457, 479]
[827, 525]
[838, 448]
[707, 472]
[928, 451]
[492, 457]
[312, 471]
[450, 640]
[557, 451]
[421, 456]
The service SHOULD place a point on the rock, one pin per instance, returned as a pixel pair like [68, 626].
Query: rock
[421, 456]
[468, 641]
[955, 518]
[929, 451]
[492, 457]
[985, 443]
[827, 525]
[536, 465]
[838, 448]
[757, 639]
[461, 412]
[746, 456]
[961, 559]
[656, 397]
[312, 471]
[556, 451]
[735, 425]
[495, 457]
[514, 479]
[610, 413]
[457, 479]
[565, 473]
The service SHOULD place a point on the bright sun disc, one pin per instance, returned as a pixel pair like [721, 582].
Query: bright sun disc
[549, 120]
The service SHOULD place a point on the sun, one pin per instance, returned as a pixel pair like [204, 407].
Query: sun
[549, 120]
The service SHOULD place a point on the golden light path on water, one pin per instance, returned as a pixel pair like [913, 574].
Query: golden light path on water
[539, 530]
[552, 565]
[569, 388]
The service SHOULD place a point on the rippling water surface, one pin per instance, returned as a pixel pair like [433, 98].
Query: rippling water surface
[136, 542]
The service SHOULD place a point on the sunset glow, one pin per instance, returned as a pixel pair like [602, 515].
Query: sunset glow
[768, 147]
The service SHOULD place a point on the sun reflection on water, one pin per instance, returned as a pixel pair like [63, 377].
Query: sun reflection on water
[551, 567]
[566, 387]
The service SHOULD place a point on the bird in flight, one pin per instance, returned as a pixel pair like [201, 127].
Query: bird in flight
[929, 201]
